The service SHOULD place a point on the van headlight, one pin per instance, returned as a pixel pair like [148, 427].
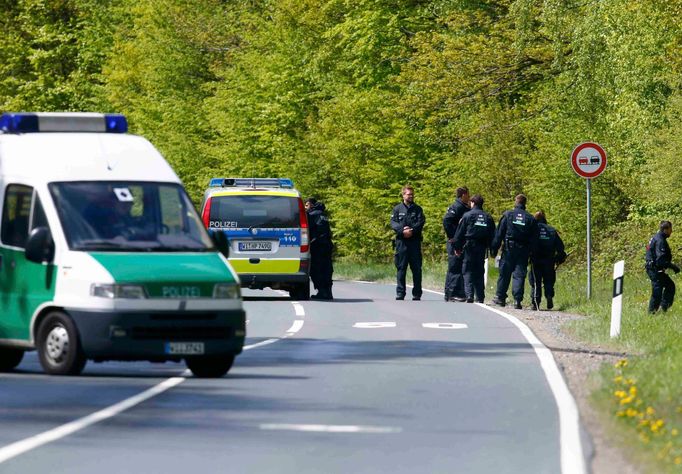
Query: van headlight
[227, 291]
[105, 290]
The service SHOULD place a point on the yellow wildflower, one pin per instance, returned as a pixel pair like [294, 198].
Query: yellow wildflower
[626, 400]
[620, 393]
[631, 412]
[633, 391]
[678, 460]
[650, 410]
[618, 379]
[674, 432]
[622, 363]
[620, 413]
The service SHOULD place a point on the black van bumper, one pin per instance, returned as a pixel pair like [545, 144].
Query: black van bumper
[153, 335]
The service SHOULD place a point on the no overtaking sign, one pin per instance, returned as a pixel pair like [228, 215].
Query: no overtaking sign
[588, 160]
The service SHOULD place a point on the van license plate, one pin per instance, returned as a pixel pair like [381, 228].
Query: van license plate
[185, 348]
[255, 246]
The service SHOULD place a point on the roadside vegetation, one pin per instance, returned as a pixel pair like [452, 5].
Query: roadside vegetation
[353, 98]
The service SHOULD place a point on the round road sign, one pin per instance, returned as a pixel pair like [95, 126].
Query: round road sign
[588, 160]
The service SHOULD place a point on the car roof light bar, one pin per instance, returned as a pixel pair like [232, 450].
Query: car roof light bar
[252, 182]
[27, 122]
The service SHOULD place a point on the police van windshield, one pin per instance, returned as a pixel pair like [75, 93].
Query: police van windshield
[128, 216]
[239, 212]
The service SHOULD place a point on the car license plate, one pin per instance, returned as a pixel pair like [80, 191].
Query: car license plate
[255, 246]
[185, 348]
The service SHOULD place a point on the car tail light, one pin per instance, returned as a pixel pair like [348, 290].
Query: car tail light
[206, 216]
[303, 219]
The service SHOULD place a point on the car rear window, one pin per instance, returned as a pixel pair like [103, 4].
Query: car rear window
[253, 211]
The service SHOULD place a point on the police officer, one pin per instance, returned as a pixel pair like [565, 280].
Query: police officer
[473, 239]
[454, 287]
[518, 231]
[407, 221]
[321, 268]
[658, 259]
[548, 254]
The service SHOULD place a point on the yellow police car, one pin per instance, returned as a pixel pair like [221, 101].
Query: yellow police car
[266, 225]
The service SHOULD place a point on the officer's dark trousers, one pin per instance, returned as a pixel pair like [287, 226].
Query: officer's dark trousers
[473, 269]
[513, 264]
[662, 291]
[321, 268]
[409, 252]
[541, 274]
[454, 282]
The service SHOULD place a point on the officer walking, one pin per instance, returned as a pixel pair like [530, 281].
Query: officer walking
[321, 268]
[454, 286]
[407, 220]
[658, 259]
[518, 231]
[473, 238]
[548, 254]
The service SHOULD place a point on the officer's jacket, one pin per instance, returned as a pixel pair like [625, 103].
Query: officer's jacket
[318, 224]
[658, 255]
[412, 216]
[476, 226]
[550, 248]
[517, 227]
[453, 216]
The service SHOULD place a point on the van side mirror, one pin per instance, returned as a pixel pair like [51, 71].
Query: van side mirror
[40, 246]
[220, 240]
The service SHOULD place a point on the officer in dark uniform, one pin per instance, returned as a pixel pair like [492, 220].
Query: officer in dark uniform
[658, 259]
[548, 254]
[473, 239]
[407, 220]
[321, 268]
[454, 286]
[518, 231]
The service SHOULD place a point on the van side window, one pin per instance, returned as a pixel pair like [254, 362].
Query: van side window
[15, 215]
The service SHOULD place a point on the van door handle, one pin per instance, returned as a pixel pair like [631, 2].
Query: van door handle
[254, 260]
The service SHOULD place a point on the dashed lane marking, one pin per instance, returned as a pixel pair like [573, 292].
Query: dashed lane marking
[374, 325]
[331, 428]
[445, 325]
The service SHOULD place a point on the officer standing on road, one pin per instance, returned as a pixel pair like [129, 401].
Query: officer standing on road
[454, 286]
[518, 231]
[321, 268]
[407, 220]
[658, 259]
[473, 238]
[547, 256]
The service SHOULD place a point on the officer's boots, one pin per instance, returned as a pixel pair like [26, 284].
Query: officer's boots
[550, 303]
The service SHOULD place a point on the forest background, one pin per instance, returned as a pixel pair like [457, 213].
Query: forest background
[354, 98]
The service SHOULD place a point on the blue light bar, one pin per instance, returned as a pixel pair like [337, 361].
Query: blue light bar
[26, 122]
[252, 182]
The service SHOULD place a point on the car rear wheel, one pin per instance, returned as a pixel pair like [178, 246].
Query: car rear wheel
[59, 348]
[300, 292]
[209, 366]
[10, 358]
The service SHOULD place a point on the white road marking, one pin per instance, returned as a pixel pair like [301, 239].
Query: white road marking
[363, 282]
[374, 325]
[572, 457]
[15, 449]
[332, 428]
[445, 325]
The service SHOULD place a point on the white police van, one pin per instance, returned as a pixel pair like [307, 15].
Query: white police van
[102, 254]
[267, 227]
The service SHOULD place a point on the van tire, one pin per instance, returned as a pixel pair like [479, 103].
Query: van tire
[10, 358]
[300, 292]
[59, 346]
[209, 366]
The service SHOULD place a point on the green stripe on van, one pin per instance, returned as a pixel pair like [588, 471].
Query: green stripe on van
[168, 274]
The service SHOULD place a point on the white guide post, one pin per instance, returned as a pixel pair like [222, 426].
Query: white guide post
[617, 303]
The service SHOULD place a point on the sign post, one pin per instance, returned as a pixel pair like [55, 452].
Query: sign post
[589, 161]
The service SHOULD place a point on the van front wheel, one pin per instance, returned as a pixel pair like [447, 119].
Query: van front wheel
[59, 348]
[209, 366]
[10, 358]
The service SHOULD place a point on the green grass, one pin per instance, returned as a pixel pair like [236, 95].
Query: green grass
[653, 345]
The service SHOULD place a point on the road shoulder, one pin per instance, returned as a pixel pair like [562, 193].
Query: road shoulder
[578, 361]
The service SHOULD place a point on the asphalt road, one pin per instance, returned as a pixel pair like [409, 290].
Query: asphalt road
[363, 384]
